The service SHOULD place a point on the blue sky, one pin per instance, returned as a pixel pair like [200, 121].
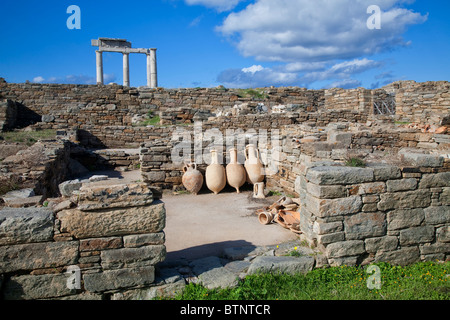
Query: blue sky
[235, 43]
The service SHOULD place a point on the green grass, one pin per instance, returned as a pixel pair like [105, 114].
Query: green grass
[252, 93]
[420, 281]
[154, 121]
[27, 137]
[274, 193]
[355, 162]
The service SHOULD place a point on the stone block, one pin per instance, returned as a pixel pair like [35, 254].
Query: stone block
[291, 265]
[404, 218]
[330, 238]
[368, 188]
[365, 224]
[437, 215]
[96, 244]
[166, 290]
[119, 279]
[345, 248]
[437, 247]
[115, 222]
[404, 256]
[404, 200]
[444, 198]
[333, 207]
[331, 175]
[435, 180]
[25, 225]
[327, 227]
[32, 287]
[68, 187]
[401, 185]
[97, 178]
[139, 240]
[325, 192]
[114, 196]
[132, 257]
[42, 255]
[423, 160]
[154, 176]
[416, 235]
[443, 234]
[383, 172]
[387, 243]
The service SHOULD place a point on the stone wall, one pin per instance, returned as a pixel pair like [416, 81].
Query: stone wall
[40, 167]
[378, 213]
[8, 114]
[102, 241]
[112, 115]
[427, 102]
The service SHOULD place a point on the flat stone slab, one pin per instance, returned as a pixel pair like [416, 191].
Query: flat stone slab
[212, 274]
[25, 225]
[113, 222]
[100, 197]
[330, 175]
[98, 178]
[18, 195]
[291, 265]
[23, 203]
[424, 160]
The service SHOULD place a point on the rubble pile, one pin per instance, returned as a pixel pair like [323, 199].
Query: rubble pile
[284, 212]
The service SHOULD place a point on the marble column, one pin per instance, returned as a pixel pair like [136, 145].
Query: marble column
[149, 71]
[154, 71]
[126, 69]
[99, 61]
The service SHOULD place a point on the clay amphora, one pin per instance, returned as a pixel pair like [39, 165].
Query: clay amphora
[236, 175]
[253, 166]
[192, 179]
[215, 174]
[258, 190]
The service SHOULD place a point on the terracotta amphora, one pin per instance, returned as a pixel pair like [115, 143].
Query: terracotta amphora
[236, 175]
[192, 178]
[253, 165]
[215, 174]
[258, 190]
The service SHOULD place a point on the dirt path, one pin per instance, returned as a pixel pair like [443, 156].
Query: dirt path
[204, 225]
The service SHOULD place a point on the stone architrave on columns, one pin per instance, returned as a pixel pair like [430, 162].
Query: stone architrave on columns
[124, 47]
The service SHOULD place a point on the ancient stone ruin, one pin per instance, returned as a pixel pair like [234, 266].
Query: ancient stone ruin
[370, 169]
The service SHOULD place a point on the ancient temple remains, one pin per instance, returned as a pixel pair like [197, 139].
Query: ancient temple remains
[124, 47]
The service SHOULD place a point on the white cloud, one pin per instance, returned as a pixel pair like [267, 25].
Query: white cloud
[316, 31]
[253, 69]
[345, 84]
[219, 5]
[342, 70]
[75, 79]
[38, 79]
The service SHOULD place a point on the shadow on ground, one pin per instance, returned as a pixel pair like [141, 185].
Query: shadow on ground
[206, 250]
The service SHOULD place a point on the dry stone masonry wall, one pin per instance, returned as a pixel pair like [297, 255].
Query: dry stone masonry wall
[101, 241]
[377, 213]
